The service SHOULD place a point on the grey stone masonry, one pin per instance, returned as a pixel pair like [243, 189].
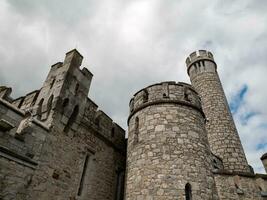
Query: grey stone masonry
[222, 133]
[167, 145]
[55, 144]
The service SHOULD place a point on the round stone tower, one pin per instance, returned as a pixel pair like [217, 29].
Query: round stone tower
[168, 154]
[222, 134]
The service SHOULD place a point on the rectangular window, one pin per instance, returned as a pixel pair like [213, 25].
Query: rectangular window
[85, 164]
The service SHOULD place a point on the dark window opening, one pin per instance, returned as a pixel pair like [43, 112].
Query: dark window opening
[65, 104]
[52, 83]
[145, 96]
[49, 104]
[72, 118]
[97, 121]
[83, 175]
[77, 88]
[188, 192]
[119, 185]
[136, 130]
[112, 132]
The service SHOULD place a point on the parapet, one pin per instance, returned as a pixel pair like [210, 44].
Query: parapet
[165, 92]
[198, 56]
[104, 127]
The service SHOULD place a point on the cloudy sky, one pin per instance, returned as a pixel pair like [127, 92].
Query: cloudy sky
[130, 44]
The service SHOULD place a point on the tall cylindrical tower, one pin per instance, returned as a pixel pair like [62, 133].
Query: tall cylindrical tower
[222, 134]
[168, 153]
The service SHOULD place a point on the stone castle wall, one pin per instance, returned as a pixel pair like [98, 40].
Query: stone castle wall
[241, 186]
[61, 152]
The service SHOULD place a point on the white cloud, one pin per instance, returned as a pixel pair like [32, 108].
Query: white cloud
[130, 44]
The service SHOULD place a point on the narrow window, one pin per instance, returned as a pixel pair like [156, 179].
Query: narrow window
[112, 132]
[39, 109]
[136, 130]
[77, 88]
[188, 192]
[72, 118]
[85, 164]
[49, 105]
[97, 121]
[119, 185]
[52, 83]
[64, 105]
[145, 96]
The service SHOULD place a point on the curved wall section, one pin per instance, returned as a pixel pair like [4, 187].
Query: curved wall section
[167, 145]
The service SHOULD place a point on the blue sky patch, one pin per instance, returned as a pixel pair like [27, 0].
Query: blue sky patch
[238, 99]
[261, 146]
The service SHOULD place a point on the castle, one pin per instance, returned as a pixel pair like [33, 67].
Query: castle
[55, 144]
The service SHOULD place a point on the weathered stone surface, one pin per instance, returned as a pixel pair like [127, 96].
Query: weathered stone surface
[222, 134]
[59, 151]
[162, 170]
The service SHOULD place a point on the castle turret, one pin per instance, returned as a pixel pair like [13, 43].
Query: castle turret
[168, 154]
[64, 92]
[264, 161]
[222, 133]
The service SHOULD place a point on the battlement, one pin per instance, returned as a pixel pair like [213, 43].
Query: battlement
[198, 56]
[103, 125]
[200, 61]
[165, 92]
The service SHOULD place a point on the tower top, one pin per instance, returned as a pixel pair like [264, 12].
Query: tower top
[197, 56]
